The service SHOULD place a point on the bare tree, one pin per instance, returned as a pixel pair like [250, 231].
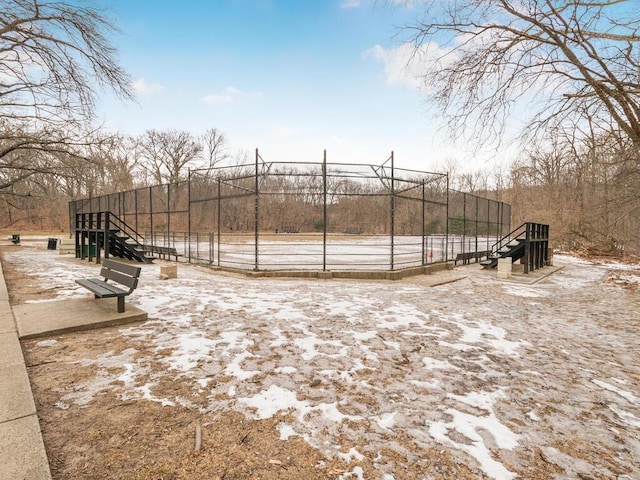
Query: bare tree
[166, 155]
[570, 59]
[215, 147]
[52, 55]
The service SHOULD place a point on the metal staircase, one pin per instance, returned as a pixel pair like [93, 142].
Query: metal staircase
[105, 232]
[529, 241]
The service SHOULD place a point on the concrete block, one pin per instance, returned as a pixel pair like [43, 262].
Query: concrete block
[504, 267]
[17, 399]
[66, 246]
[171, 271]
[22, 450]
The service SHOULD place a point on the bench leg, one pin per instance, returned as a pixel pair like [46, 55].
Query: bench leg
[120, 304]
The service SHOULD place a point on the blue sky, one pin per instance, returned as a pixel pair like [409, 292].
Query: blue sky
[288, 77]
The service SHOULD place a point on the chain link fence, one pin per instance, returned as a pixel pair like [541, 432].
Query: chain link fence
[309, 216]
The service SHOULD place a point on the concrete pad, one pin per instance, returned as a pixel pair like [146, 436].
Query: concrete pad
[17, 399]
[11, 350]
[22, 450]
[6, 318]
[64, 316]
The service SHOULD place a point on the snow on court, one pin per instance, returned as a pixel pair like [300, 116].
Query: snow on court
[493, 372]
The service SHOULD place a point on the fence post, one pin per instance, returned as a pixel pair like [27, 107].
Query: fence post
[256, 213]
[392, 206]
[153, 238]
[464, 226]
[446, 231]
[189, 215]
[324, 211]
[424, 257]
[135, 204]
[477, 212]
[168, 213]
[219, 221]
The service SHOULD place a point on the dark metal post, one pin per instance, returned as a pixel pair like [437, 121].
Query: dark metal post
[256, 213]
[189, 215]
[424, 257]
[107, 222]
[219, 220]
[477, 212]
[153, 239]
[546, 244]
[527, 248]
[135, 203]
[91, 236]
[211, 251]
[324, 212]
[464, 226]
[489, 222]
[446, 222]
[168, 213]
[392, 206]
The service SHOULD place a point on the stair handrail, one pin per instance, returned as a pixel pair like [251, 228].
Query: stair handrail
[127, 228]
[495, 248]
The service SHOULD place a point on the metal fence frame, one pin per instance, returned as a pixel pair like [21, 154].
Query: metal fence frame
[413, 217]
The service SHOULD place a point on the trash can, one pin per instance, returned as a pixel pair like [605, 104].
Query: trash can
[53, 244]
[15, 238]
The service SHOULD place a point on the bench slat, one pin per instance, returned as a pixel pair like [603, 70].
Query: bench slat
[121, 278]
[125, 268]
[101, 288]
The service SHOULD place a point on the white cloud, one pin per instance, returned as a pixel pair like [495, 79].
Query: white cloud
[233, 90]
[143, 87]
[229, 95]
[350, 4]
[217, 99]
[406, 65]
[409, 4]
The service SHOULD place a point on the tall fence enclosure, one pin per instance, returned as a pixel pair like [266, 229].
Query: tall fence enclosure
[308, 216]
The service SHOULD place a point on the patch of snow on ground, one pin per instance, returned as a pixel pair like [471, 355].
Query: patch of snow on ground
[630, 397]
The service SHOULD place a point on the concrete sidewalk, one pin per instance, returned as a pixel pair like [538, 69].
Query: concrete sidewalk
[21, 446]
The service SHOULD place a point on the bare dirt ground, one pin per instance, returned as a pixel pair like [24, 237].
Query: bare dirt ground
[290, 379]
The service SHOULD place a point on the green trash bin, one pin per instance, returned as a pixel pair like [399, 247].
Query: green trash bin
[15, 238]
[86, 250]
